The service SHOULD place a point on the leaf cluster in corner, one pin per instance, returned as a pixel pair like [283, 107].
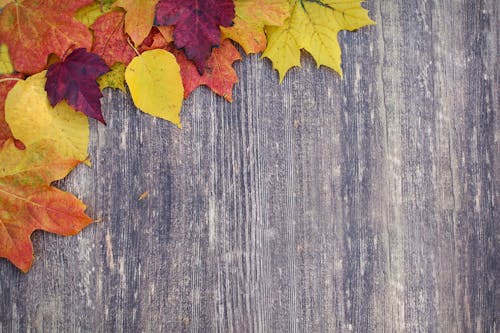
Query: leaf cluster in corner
[56, 57]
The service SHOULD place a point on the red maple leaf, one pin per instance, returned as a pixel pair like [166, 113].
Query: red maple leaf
[32, 29]
[219, 74]
[74, 80]
[110, 40]
[196, 25]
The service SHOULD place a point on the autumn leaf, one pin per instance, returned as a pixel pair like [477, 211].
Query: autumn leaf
[29, 203]
[167, 32]
[154, 81]
[74, 80]
[89, 14]
[115, 78]
[7, 81]
[196, 25]
[110, 41]
[33, 29]
[158, 38]
[313, 26]
[32, 119]
[219, 74]
[139, 18]
[5, 63]
[251, 17]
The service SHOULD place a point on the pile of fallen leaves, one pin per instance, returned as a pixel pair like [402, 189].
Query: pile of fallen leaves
[57, 56]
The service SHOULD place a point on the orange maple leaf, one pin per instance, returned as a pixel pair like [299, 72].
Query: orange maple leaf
[29, 203]
[219, 74]
[33, 29]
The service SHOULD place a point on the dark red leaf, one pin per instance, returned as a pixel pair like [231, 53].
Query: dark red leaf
[74, 80]
[196, 25]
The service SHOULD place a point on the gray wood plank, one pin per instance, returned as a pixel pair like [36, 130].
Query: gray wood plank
[363, 204]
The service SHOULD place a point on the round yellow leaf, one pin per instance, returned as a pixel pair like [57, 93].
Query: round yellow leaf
[155, 83]
[31, 119]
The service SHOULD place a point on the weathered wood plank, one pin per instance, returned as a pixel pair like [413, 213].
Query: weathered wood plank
[363, 204]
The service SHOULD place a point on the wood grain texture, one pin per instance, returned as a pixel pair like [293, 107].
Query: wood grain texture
[363, 204]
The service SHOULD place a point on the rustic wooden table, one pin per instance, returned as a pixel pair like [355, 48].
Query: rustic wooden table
[363, 204]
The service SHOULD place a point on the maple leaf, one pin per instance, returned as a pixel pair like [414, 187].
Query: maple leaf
[74, 80]
[7, 81]
[110, 41]
[32, 119]
[313, 26]
[33, 29]
[115, 78]
[154, 81]
[139, 18]
[251, 17]
[219, 75]
[196, 25]
[29, 203]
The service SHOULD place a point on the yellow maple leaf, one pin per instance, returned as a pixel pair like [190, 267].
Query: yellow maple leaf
[5, 63]
[251, 17]
[155, 84]
[31, 119]
[139, 18]
[313, 26]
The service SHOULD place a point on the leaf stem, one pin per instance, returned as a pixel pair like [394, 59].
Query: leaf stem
[10, 79]
[132, 46]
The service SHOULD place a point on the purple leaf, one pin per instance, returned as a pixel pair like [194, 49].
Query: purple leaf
[74, 80]
[196, 25]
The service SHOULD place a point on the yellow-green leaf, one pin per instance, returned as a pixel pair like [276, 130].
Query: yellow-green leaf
[32, 119]
[154, 81]
[313, 26]
[115, 78]
[89, 14]
[5, 64]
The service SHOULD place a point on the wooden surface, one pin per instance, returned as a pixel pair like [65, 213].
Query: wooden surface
[363, 204]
